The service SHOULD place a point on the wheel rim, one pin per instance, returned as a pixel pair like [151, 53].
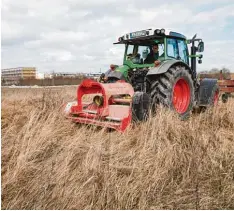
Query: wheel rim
[216, 97]
[181, 96]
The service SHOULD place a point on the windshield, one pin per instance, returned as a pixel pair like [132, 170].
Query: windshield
[145, 54]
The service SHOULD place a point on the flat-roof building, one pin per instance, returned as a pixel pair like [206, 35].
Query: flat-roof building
[12, 76]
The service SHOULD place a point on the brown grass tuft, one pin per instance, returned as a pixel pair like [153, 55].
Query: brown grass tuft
[164, 163]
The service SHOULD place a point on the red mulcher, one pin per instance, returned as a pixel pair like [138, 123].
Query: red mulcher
[111, 105]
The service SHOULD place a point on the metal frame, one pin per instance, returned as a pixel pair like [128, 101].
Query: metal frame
[226, 86]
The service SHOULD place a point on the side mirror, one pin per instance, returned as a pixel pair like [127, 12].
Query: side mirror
[200, 47]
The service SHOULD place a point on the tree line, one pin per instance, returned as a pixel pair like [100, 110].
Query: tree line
[224, 73]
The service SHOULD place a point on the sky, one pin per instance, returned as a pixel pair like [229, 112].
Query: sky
[78, 35]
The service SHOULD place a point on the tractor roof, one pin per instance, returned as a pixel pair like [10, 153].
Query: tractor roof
[148, 35]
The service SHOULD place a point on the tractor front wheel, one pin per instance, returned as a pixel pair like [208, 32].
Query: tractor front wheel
[213, 100]
[214, 96]
[140, 106]
[174, 89]
[225, 97]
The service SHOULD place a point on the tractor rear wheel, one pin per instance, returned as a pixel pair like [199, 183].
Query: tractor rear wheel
[174, 89]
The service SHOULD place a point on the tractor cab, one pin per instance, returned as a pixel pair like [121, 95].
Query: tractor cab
[138, 45]
[140, 54]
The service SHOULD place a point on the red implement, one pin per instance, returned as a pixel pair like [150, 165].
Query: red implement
[226, 86]
[111, 105]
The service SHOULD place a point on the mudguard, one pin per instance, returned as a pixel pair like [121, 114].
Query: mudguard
[116, 75]
[164, 66]
[205, 91]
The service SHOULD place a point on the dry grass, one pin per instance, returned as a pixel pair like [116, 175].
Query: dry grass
[50, 163]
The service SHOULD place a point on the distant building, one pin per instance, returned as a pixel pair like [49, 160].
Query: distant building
[93, 75]
[67, 75]
[12, 76]
[47, 75]
[40, 75]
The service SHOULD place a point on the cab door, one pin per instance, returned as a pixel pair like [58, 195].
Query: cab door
[177, 49]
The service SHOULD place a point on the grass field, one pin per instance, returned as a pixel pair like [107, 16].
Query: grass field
[164, 163]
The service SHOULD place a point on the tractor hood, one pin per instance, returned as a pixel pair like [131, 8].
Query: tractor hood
[127, 65]
[120, 72]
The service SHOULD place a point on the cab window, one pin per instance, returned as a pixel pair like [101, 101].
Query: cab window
[183, 50]
[161, 50]
[130, 50]
[172, 48]
[138, 53]
[177, 49]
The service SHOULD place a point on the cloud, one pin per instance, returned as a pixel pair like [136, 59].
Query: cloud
[167, 11]
[77, 35]
[219, 14]
[58, 56]
[220, 54]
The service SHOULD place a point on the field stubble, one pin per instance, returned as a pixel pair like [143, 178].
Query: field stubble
[164, 163]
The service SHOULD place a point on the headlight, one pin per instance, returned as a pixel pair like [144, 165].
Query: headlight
[162, 31]
[98, 100]
[157, 31]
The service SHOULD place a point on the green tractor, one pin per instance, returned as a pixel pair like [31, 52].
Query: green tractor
[157, 69]
[171, 79]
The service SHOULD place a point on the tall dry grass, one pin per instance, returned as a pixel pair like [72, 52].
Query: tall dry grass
[164, 163]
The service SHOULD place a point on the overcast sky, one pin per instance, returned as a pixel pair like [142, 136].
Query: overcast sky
[78, 35]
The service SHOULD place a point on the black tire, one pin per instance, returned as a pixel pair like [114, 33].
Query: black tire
[225, 98]
[214, 96]
[162, 89]
[140, 106]
[212, 101]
